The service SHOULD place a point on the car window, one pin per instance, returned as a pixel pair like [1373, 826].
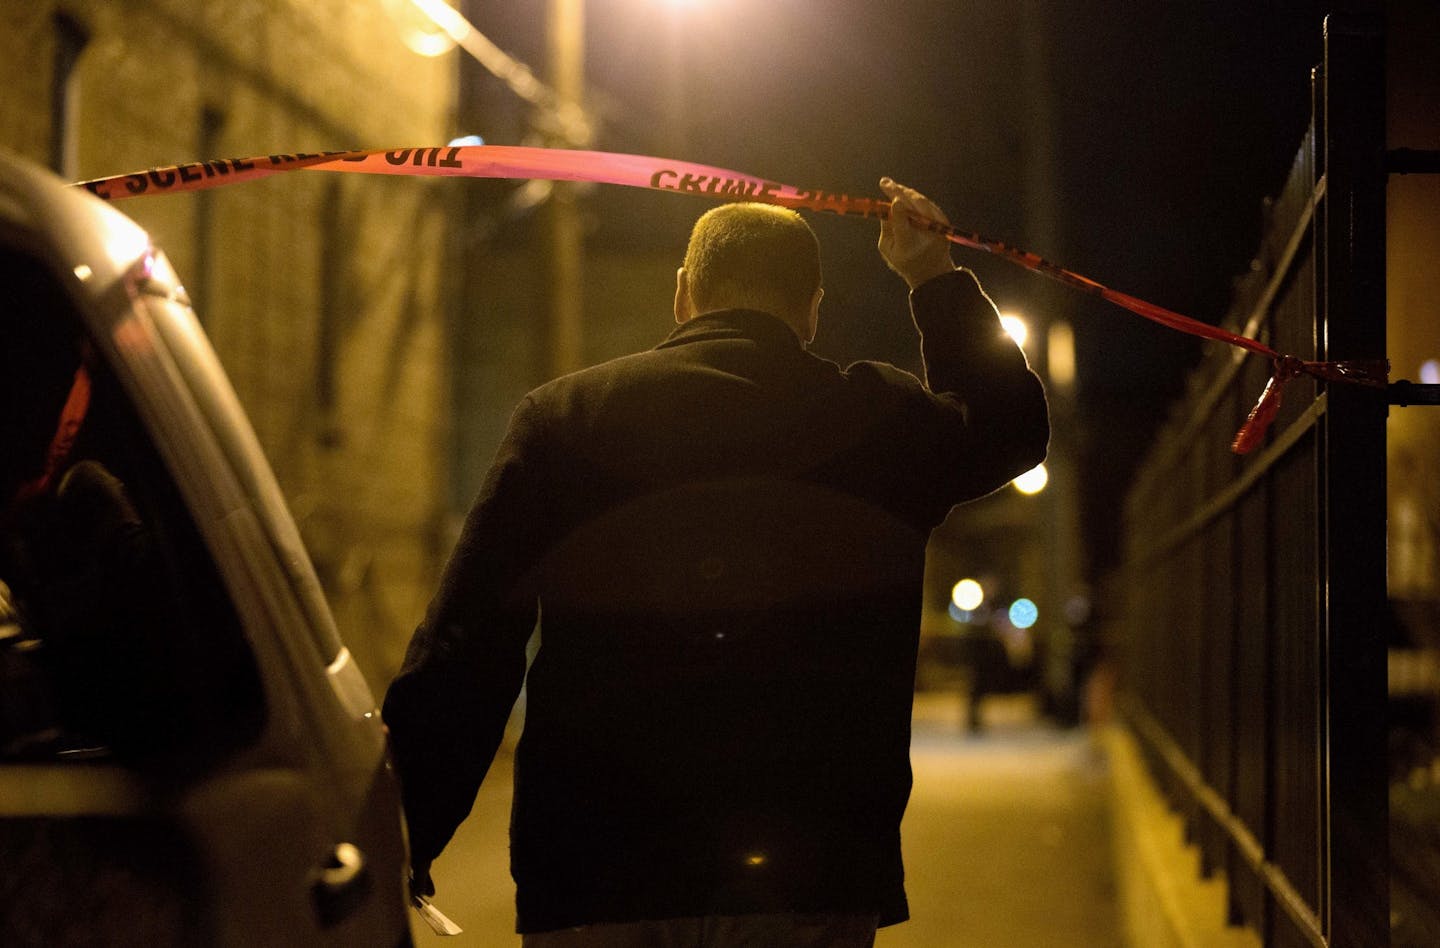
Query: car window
[176, 325]
[117, 637]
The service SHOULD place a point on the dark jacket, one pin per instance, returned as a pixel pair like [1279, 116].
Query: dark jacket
[725, 538]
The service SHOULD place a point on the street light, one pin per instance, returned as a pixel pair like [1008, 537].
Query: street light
[1023, 613]
[1015, 328]
[1032, 481]
[454, 28]
[560, 108]
[967, 595]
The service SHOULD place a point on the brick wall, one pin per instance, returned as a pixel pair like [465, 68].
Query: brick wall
[322, 295]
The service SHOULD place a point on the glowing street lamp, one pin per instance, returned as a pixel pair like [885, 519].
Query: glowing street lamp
[1032, 481]
[1015, 328]
[434, 27]
[1023, 613]
[967, 595]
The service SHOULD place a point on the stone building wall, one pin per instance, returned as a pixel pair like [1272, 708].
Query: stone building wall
[322, 293]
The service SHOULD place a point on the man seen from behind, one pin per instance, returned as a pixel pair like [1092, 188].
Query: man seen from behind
[723, 541]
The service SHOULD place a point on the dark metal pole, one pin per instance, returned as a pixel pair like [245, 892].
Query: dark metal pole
[1353, 602]
[564, 247]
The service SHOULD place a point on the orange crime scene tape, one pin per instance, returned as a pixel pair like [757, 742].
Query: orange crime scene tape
[558, 164]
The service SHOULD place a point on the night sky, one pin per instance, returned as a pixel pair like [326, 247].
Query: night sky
[1132, 141]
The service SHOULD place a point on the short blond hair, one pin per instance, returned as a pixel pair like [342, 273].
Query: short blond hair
[752, 256]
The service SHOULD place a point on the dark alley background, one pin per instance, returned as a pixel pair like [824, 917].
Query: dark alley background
[379, 331]
[1134, 143]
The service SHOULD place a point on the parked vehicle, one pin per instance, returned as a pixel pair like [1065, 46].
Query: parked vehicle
[188, 753]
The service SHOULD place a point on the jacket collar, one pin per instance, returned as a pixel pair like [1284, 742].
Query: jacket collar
[762, 327]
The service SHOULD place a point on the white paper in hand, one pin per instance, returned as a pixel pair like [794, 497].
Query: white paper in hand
[439, 923]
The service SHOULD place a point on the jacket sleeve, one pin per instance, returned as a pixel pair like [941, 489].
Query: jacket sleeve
[447, 708]
[976, 371]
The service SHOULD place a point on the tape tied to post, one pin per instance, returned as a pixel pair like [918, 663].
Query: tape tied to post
[681, 177]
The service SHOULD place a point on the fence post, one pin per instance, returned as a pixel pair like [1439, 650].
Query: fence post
[1352, 457]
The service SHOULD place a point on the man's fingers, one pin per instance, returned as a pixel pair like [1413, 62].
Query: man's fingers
[910, 248]
[887, 226]
[906, 200]
[900, 200]
[898, 225]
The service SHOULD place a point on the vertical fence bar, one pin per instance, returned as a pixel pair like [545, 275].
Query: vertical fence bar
[1352, 460]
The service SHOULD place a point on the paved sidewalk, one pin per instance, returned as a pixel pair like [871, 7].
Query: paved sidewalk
[1007, 837]
[1006, 841]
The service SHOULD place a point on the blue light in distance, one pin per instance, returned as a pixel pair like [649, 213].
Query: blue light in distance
[1023, 613]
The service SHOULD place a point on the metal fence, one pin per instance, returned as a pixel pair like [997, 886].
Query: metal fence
[1254, 641]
